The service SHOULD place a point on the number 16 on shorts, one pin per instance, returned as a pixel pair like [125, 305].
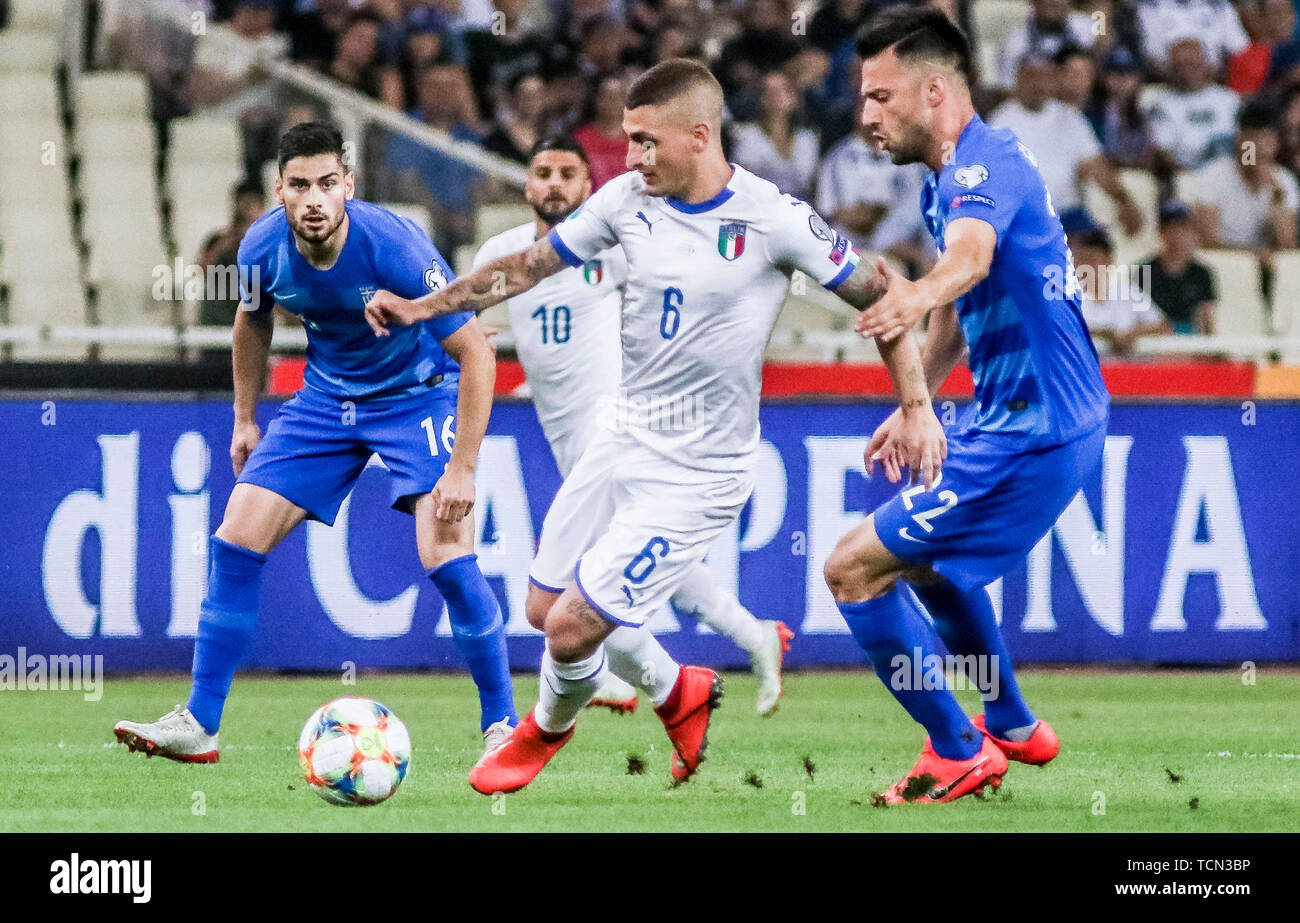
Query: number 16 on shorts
[448, 434]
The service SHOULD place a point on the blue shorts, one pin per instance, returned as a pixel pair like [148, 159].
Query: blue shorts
[317, 445]
[993, 502]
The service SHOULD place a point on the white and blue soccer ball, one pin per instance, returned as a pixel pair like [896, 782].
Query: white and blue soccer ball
[354, 751]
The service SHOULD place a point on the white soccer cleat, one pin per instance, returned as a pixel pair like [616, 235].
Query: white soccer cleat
[176, 736]
[766, 664]
[496, 735]
[616, 695]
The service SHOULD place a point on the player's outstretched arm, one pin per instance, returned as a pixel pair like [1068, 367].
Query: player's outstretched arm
[968, 254]
[453, 495]
[911, 437]
[489, 284]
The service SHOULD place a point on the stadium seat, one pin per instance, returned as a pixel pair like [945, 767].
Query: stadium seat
[109, 140]
[491, 220]
[191, 228]
[28, 97]
[1141, 186]
[204, 140]
[111, 95]
[417, 213]
[28, 52]
[36, 15]
[994, 21]
[1241, 305]
[105, 182]
[36, 245]
[38, 303]
[1286, 293]
[24, 180]
[200, 185]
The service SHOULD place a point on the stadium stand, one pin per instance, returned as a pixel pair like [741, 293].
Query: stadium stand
[166, 119]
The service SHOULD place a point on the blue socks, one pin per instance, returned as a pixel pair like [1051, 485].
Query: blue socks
[889, 627]
[480, 635]
[966, 623]
[227, 621]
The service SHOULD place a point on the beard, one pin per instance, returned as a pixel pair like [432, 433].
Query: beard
[318, 233]
[910, 147]
[552, 212]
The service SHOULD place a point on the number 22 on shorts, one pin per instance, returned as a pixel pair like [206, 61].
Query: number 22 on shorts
[947, 497]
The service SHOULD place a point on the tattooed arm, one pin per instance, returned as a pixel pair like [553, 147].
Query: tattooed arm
[911, 437]
[495, 282]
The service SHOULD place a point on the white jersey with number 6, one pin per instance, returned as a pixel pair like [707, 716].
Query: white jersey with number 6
[705, 283]
[566, 331]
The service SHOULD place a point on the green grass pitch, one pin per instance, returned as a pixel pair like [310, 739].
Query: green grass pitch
[1159, 750]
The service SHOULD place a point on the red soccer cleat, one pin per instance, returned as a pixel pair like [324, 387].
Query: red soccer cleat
[516, 762]
[934, 779]
[686, 718]
[1038, 750]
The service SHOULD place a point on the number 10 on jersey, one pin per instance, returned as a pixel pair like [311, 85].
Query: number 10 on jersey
[559, 324]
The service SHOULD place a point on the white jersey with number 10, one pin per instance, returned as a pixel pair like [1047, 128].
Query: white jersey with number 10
[566, 331]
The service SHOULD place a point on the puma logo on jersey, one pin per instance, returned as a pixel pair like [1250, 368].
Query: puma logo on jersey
[649, 225]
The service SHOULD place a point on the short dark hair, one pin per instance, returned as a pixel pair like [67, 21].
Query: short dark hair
[558, 142]
[307, 139]
[668, 80]
[1256, 117]
[917, 33]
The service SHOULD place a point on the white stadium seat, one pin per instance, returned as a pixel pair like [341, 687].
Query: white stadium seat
[1142, 188]
[38, 303]
[28, 96]
[1241, 305]
[204, 140]
[28, 52]
[491, 220]
[1286, 293]
[109, 183]
[36, 15]
[117, 140]
[111, 95]
[192, 227]
[200, 184]
[993, 21]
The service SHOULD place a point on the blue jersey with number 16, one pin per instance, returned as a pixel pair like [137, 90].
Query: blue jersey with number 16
[344, 357]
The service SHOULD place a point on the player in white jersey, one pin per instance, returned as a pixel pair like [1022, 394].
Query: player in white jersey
[566, 331]
[709, 249]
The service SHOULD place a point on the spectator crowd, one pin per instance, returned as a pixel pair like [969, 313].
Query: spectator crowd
[1203, 95]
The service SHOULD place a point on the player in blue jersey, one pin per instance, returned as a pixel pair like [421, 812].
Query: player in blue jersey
[1016, 456]
[420, 399]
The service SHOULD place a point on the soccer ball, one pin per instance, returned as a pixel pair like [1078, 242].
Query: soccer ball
[354, 751]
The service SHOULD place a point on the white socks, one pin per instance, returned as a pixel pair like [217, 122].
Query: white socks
[636, 656]
[702, 599]
[566, 688]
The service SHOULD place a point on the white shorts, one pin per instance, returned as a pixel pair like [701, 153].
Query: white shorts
[628, 525]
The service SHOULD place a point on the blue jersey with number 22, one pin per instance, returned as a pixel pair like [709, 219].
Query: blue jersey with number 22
[1036, 373]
